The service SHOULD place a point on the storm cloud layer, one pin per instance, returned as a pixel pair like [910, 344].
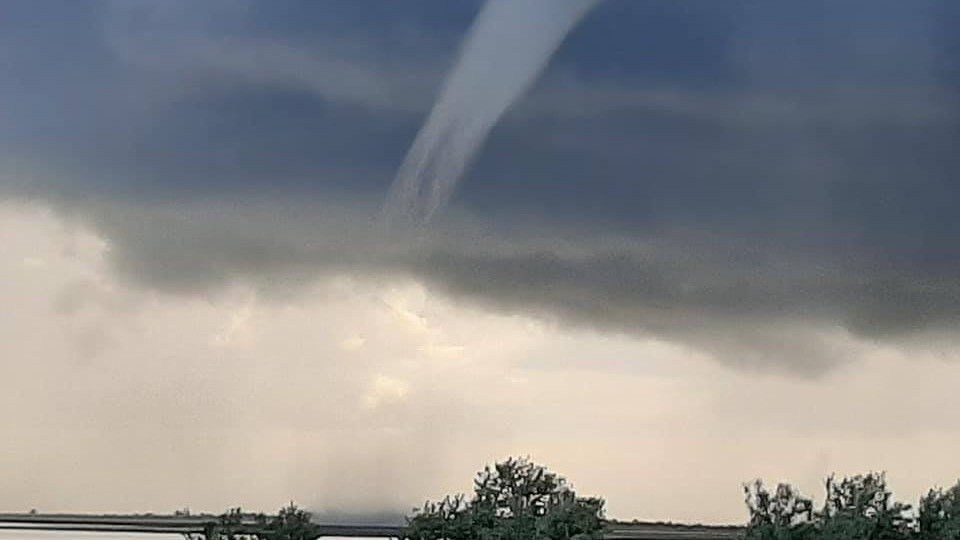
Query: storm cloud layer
[749, 180]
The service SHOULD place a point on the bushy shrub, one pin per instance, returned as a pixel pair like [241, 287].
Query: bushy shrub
[940, 514]
[513, 500]
[855, 508]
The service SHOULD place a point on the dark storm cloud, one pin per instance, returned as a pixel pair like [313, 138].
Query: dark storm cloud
[729, 178]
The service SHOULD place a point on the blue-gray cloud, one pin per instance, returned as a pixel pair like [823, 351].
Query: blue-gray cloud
[681, 170]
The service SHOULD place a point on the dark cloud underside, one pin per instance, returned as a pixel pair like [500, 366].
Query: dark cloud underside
[682, 170]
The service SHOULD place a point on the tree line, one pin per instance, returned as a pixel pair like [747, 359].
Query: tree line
[860, 507]
[290, 523]
[512, 500]
[520, 500]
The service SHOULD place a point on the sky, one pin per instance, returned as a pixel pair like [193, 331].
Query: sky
[712, 242]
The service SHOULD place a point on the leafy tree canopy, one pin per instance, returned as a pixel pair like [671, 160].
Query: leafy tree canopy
[513, 500]
[940, 514]
[290, 523]
[855, 508]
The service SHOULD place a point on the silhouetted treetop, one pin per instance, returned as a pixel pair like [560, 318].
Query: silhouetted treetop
[513, 500]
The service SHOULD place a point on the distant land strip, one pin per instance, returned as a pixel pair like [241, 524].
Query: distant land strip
[195, 524]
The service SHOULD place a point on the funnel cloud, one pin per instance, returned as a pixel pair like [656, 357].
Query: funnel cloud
[507, 47]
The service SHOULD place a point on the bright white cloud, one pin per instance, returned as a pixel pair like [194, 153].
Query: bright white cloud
[384, 390]
[364, 395]
[353, 343]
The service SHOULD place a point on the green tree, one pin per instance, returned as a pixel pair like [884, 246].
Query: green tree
[291, 523]
[449, 518]
[513, 500]
[782, 515]
[855, 508]
[227, 527]
[862, 506]
[940, 514]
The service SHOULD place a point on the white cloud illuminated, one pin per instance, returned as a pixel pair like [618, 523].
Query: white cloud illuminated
[367, 395]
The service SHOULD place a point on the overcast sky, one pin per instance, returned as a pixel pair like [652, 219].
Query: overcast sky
[715, 241]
